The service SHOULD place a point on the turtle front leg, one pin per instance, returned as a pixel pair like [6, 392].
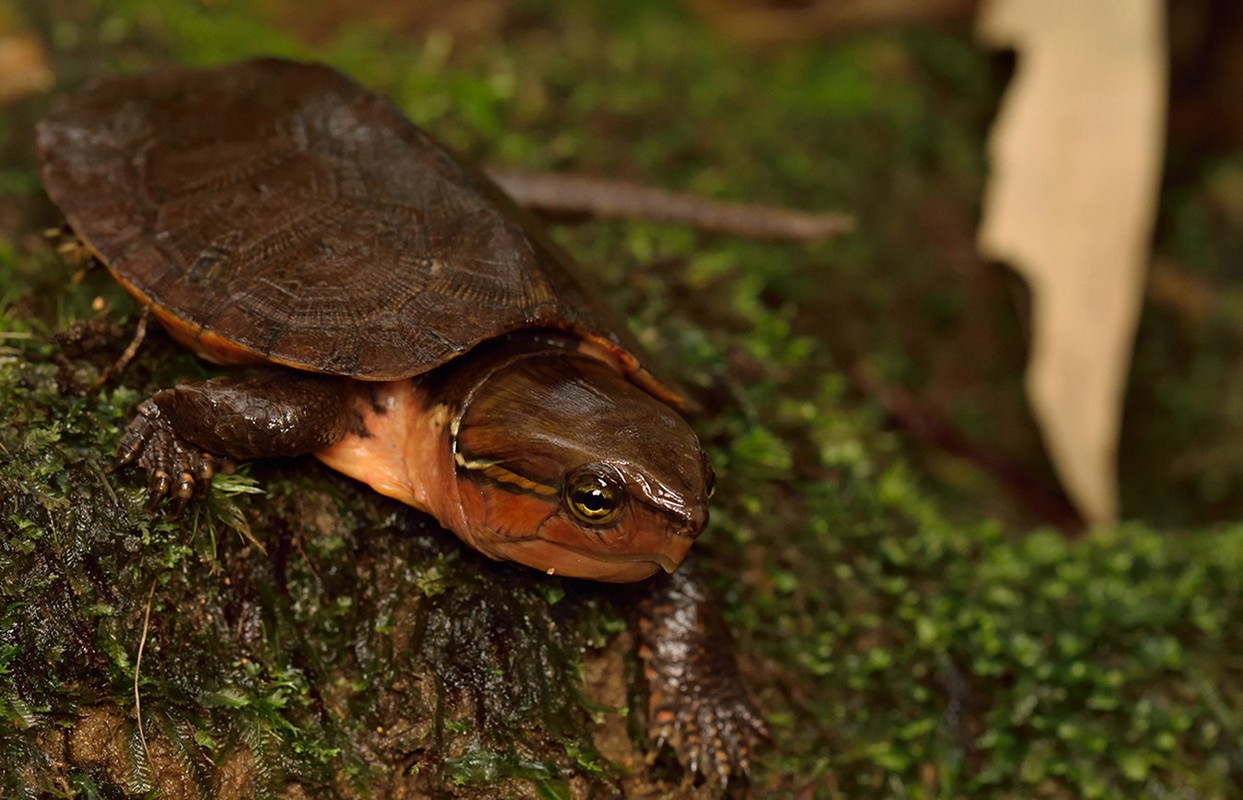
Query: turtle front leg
[174, 467]
[697, 703]
[185, 435]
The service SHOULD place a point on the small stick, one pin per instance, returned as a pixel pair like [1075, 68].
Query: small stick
[142, 643]
[103, 479]
[130, 351]
[928, 425]
[615, 199]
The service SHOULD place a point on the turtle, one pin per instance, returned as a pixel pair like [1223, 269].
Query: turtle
[376, 302]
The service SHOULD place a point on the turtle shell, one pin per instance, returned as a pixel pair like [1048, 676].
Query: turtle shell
[278, 211]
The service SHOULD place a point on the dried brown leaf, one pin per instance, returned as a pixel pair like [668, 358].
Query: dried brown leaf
[1076, 154]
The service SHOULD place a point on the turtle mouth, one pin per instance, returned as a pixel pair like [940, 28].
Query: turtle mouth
[559, 558]
[662, 560]
[665, 562]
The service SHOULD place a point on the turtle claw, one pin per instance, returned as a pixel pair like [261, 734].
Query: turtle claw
[698, 704]
[711, 726]
[177, 471]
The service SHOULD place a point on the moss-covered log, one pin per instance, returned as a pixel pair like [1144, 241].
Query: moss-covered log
[313, 635]
[314, 640]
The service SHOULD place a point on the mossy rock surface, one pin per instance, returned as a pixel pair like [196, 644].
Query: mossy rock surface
[311, 639]
[313, 635]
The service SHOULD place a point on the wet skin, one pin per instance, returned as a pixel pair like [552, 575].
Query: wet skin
[441, 445]
[404, 321]
[529, 450]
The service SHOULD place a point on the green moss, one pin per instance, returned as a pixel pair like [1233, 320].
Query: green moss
[345, 645]
[295, 653]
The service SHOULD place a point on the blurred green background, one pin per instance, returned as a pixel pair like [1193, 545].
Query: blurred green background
[916, 608]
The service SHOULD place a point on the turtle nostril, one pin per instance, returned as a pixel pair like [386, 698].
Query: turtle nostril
[693, 524]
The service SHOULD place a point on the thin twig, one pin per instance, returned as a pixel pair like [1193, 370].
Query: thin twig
[103, 480]
[142, 643]
[557, 193]
[130, 351]
[929, 425]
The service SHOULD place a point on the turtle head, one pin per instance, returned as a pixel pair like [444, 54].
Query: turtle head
[564, 465]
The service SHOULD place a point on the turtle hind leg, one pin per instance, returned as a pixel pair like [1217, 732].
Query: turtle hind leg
[698, 703]
[182, 437]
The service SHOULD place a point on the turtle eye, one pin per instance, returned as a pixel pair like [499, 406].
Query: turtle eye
[594, 499]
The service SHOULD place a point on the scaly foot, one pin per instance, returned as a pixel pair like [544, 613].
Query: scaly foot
[698, 703]
[175, 468]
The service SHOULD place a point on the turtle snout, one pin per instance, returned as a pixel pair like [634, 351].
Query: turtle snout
[693, 523]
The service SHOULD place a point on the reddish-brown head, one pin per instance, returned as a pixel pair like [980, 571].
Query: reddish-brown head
[564, 465]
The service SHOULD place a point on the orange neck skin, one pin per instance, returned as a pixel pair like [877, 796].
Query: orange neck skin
[406, 453]
[408, 450]
[485, 448]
